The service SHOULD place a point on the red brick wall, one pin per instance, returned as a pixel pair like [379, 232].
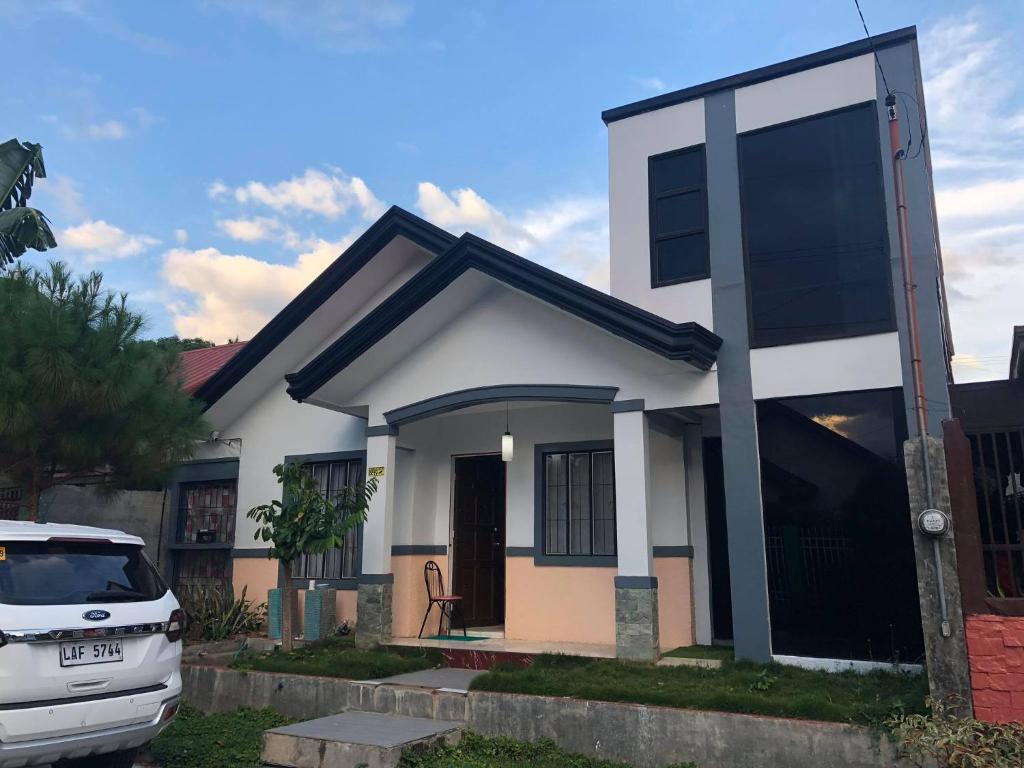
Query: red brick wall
[995, 645]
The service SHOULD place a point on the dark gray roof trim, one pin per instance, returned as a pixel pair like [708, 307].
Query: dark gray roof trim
[792, 66]
[393, 223]
[689, 342]
[453, 401]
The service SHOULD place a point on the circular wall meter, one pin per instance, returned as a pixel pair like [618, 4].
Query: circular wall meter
[933, 522]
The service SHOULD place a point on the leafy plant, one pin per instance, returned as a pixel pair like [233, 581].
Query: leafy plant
[475, 751]
[227, 740]
[952, 741]
[81, 394]
[21, 227]
[306, 522]
[764, 681]
[215, 613]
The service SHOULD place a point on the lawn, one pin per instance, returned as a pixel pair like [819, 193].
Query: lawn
[230, 740]
[338, 657]
[482, 752]
[846, 697]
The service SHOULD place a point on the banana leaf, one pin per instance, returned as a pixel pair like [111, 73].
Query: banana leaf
[21, 229]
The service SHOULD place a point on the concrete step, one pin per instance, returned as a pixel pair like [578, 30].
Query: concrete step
[354, 739]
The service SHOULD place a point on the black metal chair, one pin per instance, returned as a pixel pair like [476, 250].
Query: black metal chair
[448, 604]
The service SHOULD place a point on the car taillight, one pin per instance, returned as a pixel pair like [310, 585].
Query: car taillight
[176, 625]
[169, 712]
[3, 640]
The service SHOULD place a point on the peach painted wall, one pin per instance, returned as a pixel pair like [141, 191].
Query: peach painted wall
[259, 575]
[410, 595]
[675, 601]
[551, 603]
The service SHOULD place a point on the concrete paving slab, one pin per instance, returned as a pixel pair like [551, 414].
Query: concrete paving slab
[445, 678]
[368, 728]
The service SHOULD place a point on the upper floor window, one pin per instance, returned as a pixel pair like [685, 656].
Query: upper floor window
[815, 228]
[679, 215]
[343, 562]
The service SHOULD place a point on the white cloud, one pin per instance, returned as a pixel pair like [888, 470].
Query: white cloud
[314, 191]
[99, 241]
[232, 295]
[250, 230]
[651, 84]
[973, 87]
[346, 26]
[65, 192]
[181, 236]
[569, 235]
[113, 130]
[217, 190]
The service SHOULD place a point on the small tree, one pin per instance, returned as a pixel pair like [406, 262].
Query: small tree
[81, 395]
[306, 522]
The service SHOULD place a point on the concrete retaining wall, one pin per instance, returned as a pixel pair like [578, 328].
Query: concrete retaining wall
[647, 737]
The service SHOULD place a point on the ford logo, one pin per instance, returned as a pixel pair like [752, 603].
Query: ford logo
[96, 615]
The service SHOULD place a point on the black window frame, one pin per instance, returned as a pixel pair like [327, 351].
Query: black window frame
[343, 582]
[652, 199]
[810, 332]
[540, 550]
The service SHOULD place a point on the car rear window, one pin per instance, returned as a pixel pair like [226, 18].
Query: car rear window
[75, 573]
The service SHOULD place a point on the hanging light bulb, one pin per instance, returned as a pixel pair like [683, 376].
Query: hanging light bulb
[507, 446]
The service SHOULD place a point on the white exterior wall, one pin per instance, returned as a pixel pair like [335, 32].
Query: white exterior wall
[272, 428]
[630, 143]
[509, 338]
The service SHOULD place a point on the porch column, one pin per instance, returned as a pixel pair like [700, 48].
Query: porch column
[376, 582]
[636, 587]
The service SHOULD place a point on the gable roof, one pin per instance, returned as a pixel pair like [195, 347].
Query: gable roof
[689, 342]
[395, 222]
[198, 365]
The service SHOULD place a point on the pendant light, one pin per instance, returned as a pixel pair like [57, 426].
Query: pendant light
[506, 439]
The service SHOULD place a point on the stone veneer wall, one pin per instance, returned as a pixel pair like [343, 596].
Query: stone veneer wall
[374, 610]
[995, 647]
[636, 623]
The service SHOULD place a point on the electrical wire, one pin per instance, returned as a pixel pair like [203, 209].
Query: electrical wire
[872, 43]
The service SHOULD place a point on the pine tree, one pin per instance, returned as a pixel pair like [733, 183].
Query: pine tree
[81, 395]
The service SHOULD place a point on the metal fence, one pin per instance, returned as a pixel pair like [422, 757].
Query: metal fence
[998, 461]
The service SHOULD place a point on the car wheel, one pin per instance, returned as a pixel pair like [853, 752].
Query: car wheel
[122, 759]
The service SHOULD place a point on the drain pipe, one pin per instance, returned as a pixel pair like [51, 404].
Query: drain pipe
[916, 368]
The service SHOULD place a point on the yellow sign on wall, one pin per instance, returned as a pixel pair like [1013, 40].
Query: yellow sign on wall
[3, 554]
[375, 472]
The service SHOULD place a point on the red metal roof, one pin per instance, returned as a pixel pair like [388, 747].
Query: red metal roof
[198, 365]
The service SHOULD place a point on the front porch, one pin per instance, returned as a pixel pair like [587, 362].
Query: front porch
[552, 551]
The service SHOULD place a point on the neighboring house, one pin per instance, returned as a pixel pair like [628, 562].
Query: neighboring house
[712, 453]
[991, 414]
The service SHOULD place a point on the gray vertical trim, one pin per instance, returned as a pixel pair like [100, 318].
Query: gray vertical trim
[741, 463]
[903, 72]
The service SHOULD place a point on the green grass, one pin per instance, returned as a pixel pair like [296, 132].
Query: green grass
[338, 657]
[230, 740]
[717, 652]
[482, 752]
[774, 689]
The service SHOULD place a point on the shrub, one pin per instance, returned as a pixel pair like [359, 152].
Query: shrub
[957, 742]
[215, 614]
[228, 740]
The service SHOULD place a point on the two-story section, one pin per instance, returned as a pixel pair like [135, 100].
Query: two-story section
[763, 206]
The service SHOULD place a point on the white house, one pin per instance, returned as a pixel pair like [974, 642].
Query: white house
[711, 453]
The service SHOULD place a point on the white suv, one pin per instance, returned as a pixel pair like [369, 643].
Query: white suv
[90, 646]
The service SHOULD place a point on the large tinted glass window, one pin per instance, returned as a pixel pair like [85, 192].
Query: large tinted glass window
[75, 573]
[815, 229]
[678, 200]
[841, 574]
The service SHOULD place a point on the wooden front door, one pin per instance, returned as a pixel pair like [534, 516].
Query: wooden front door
[478, 568]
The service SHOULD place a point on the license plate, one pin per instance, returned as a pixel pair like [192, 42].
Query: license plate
[83, 652]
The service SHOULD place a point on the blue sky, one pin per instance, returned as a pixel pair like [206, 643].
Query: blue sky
[212, 157]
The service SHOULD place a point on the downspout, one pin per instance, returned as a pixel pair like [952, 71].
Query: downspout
[916, 369]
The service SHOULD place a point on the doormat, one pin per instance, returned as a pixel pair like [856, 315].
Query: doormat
[458, 638]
